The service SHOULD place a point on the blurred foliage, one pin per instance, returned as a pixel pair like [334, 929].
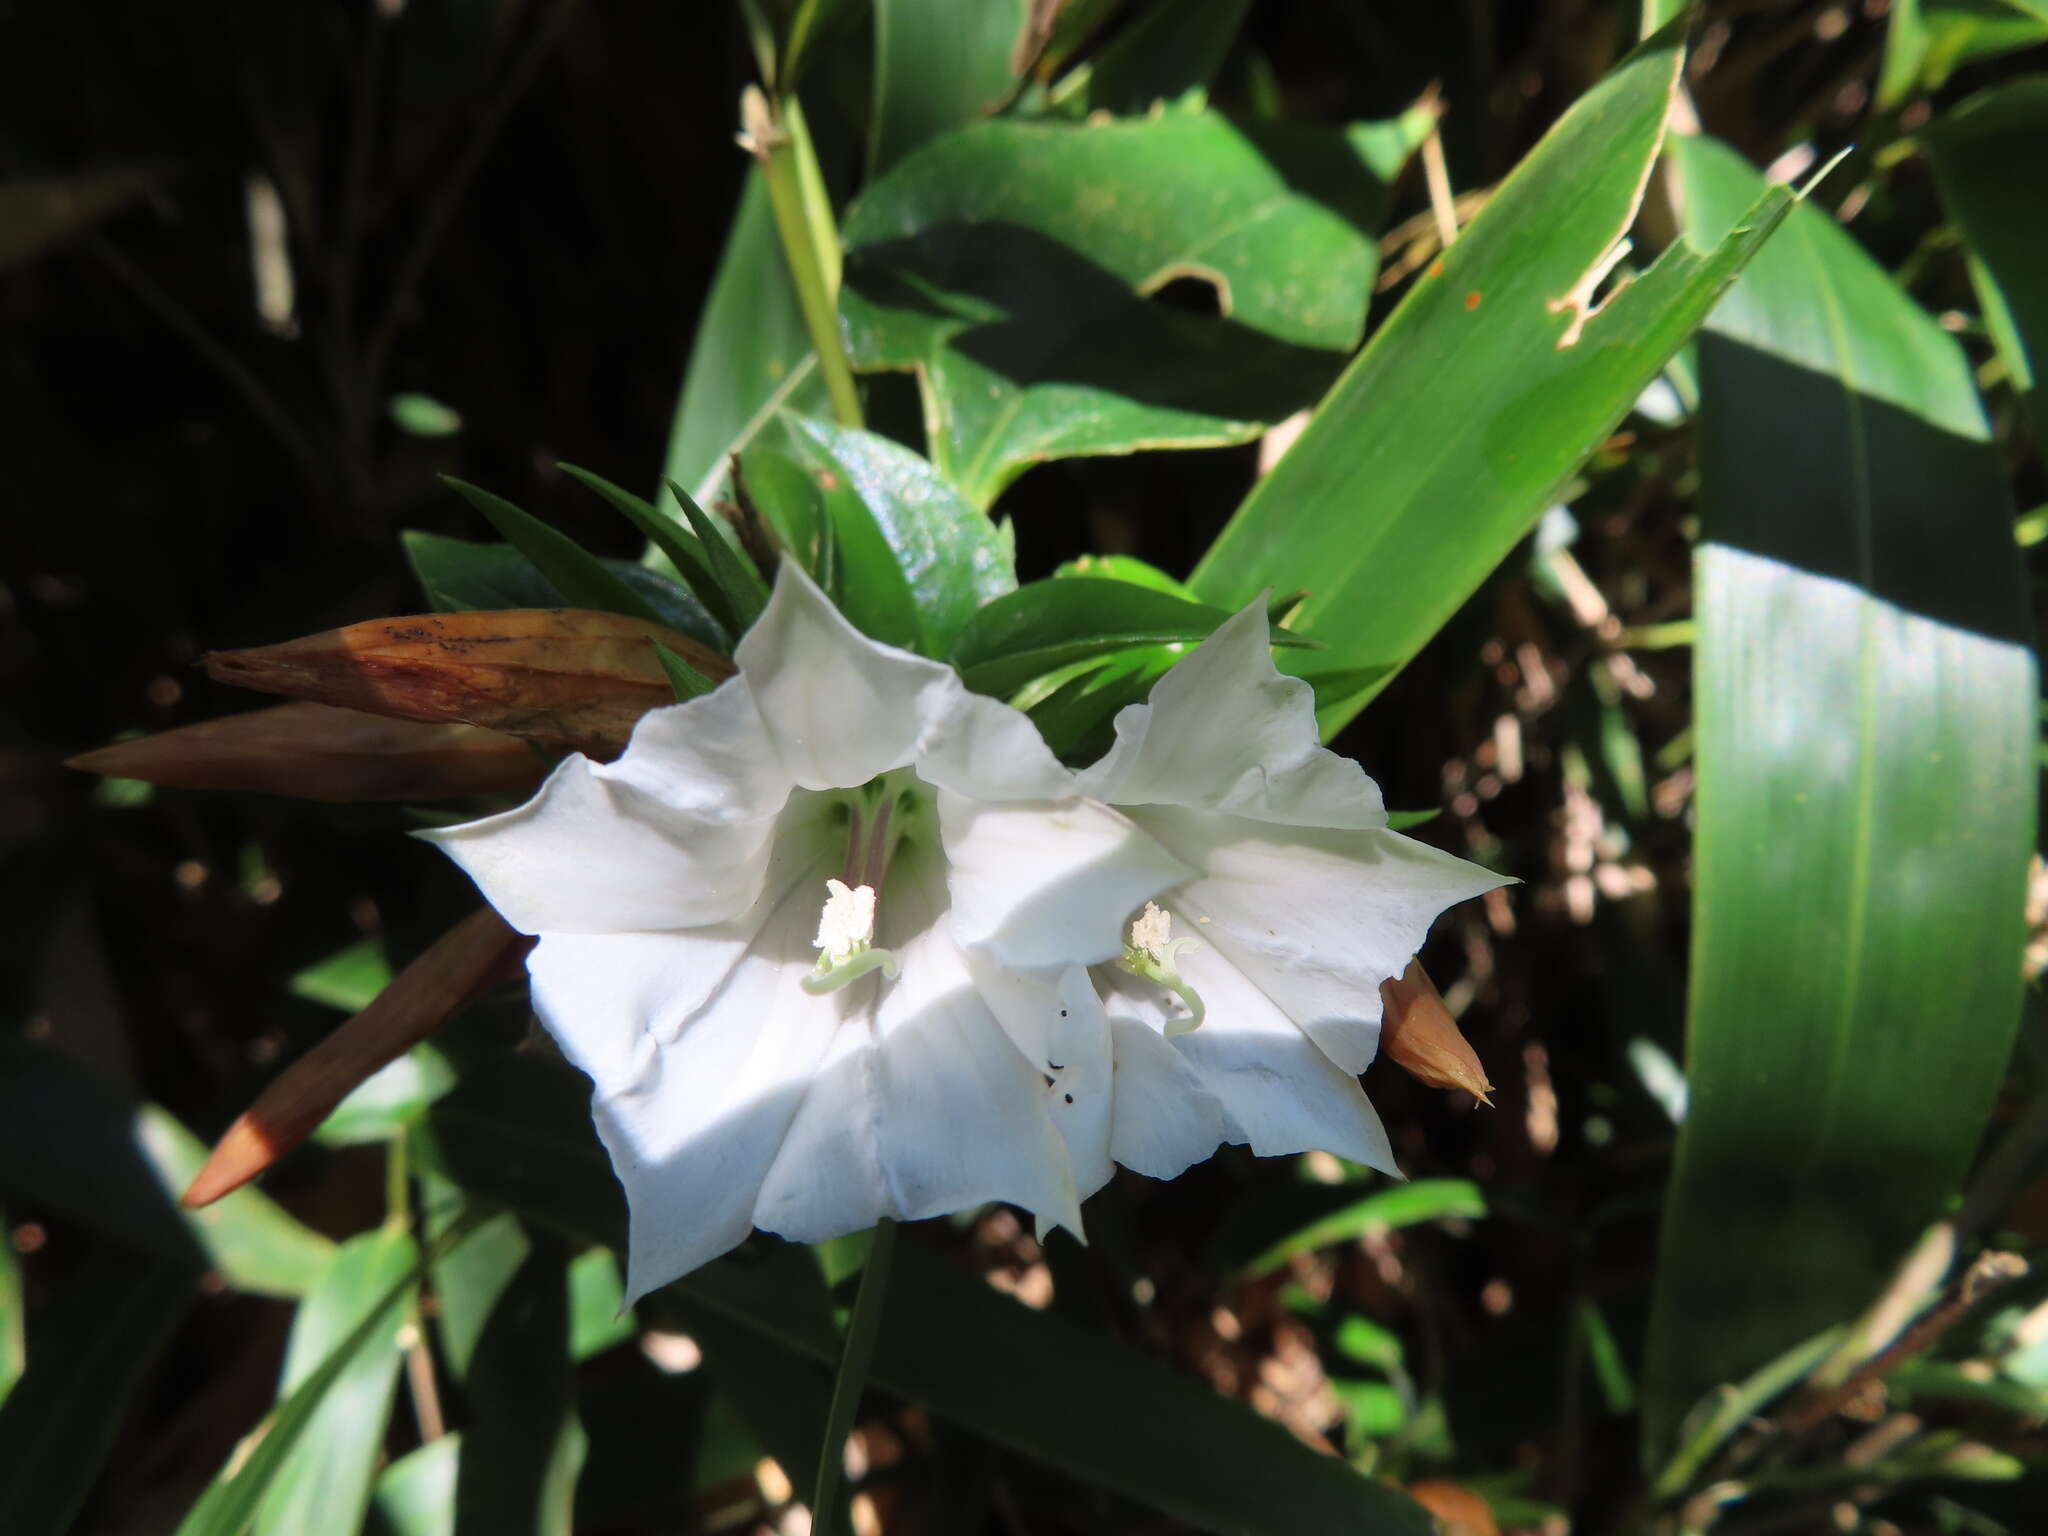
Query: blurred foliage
[270, 275]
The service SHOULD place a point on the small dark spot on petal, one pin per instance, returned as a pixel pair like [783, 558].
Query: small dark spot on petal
[1063, 1013]
[1070, 1098]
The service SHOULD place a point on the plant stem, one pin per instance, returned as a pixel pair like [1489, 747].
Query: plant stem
[854, 1358]
[798, 219]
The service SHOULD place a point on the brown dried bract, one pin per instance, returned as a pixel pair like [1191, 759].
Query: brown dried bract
[563, 676]
[463, 962]
[1419, 1035]
[319, 752]
[1458, 1511]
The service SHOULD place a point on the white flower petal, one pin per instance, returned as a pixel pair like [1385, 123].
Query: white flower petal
[927, 1109]
[1044, 885]
[592, 853]
[1167, 1120]
[1316, 917]
[695, 1133]
[984, 749]
[1227, 731]
[712, 757]
[1280, 1091]
[840, 707]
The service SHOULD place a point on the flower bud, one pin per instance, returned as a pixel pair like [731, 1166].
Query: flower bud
[459, 965]
[1419, 1035]
[318, 752]
[563, 676]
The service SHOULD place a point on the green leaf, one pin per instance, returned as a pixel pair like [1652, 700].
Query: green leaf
[677, 544]
[89, 1348]
[938, 64]
[949, 557]
[1052, 624]
[470, 1277]
[1466, 413]
[1125, 568]
[416, 1494]
[324, 1483]
[232, 1500]
[460, 577]
[752, 355]
[1173, 47]
[419, 415]
[685, 679]
[580, 577]
[1022, 305]
[522, 1445]
[350, 978]
[1988, 154]
[253, 1243]
[389, 1100]
[13, 1315]
[1386, 1210]
[1866, 800]
[1069, 1396]
[742, 593]
[1929, 40]
[1077, 715]
[598, 1318]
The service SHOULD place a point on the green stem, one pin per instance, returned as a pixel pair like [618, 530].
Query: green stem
[854, 1357]
[797, 219]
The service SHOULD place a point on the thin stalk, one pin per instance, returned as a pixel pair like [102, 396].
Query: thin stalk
[855, 1356]
[795, 216]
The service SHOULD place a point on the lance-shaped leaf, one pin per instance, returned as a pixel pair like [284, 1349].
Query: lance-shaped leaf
[1011, 264]
[1482, 393]
[318, 752]
[1988, 156]
[455, 968]
[1865, 746]
[557, 675]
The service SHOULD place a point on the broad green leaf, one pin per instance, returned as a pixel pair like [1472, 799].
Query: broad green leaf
[250, 1240]
[348, 979]
[580, 577]
[390, 1099]
[949, 556]
[232, 1500]
[1173, 47]
[521, 1442]
[468, 1280]
[416, 1494]
[598, 1319]
[1022, 304]
[41, 214]
[460, 577]
[1053, 624]
[751, 355]
[1866, 799]
[1988, 157]
[1929, 40]
[324, 1483]
[89, 1348]
[1069, 1396]
[938, 64]
[1482, 393]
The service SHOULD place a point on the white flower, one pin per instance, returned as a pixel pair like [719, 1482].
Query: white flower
[766, 929]
[1246, 1001]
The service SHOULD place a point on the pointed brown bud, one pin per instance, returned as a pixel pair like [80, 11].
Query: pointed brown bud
[1418, 1033]
[318, 752]
[564, 676]
[462, 963]
[1457, 1510]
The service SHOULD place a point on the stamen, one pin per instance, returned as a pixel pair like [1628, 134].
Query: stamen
[1151, 953]
[846, 934]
